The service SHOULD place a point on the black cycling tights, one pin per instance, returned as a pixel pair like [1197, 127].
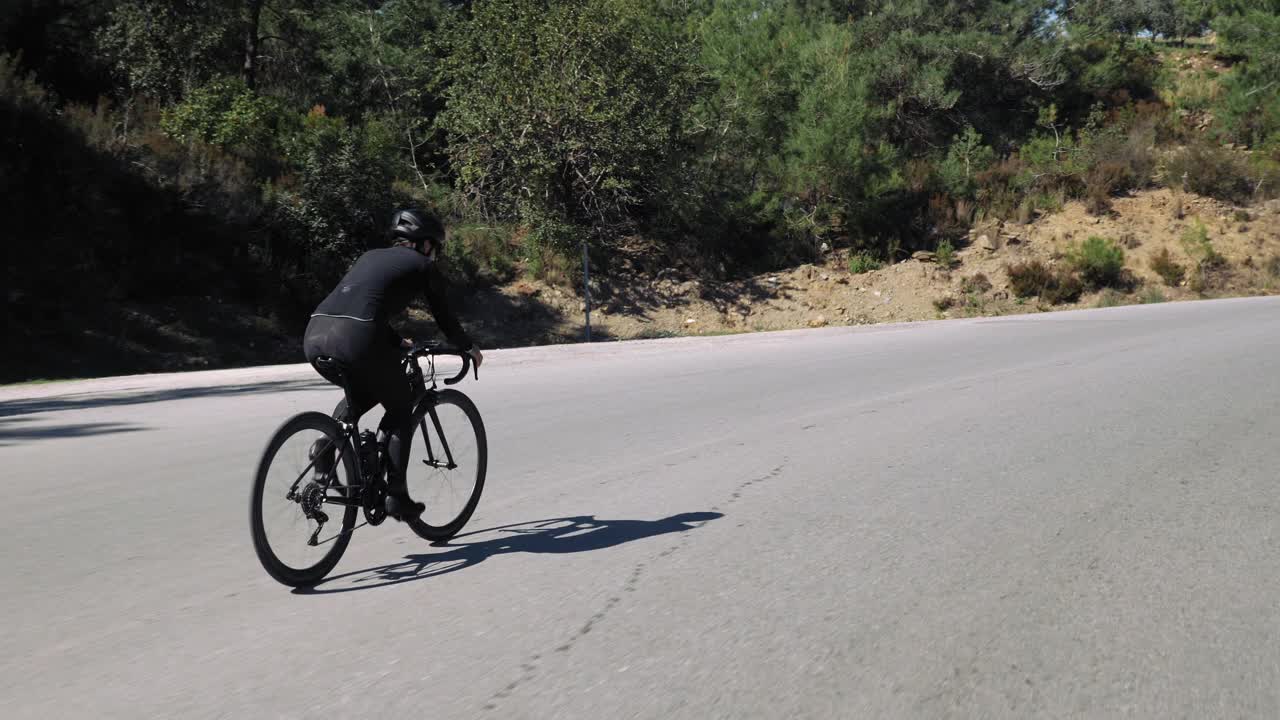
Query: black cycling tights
[374, 376]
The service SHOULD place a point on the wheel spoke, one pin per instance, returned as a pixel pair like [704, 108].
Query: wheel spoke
[281, 526]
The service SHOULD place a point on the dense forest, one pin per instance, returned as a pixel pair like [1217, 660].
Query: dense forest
[246, 150]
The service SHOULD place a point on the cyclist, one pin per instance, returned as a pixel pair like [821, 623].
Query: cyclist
[352, 326]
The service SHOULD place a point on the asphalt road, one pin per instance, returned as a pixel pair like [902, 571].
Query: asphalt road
[1060, 515]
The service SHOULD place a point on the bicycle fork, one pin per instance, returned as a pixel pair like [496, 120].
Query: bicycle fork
[431, 460]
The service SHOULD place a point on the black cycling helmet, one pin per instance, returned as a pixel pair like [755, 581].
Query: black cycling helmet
[415, 226]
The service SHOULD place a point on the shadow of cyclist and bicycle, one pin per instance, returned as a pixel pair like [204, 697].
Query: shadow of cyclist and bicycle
[582, 533]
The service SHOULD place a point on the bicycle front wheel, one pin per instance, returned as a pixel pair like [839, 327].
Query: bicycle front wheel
[297, 513]
[448, 458]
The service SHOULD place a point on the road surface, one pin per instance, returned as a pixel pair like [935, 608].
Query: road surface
[1060, 515]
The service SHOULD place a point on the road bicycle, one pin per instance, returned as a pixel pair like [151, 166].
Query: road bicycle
[306, 496]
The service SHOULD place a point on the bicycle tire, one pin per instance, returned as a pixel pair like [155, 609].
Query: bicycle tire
[271, 562]
[439, 533]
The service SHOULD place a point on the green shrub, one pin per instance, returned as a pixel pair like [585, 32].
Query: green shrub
[1047, 202]
[1066, 288]
[1197, 282]
[1051, 162]
[1110, 298]
[975, 284]
[1099, 261]
[946, 254]
[1272, 266]
[966, 158]
[563, 115]
[1110, 64]
[1194, 93]
[1118, 158]
[225, 112]
[1211, 171]
[341, 197]
[483, 253]
[1033, 278]
[949, 218]
[1152, 295]
[862, 263]
[1249, 106]
[551, 263]
[1264, 173]
[1195, 240]
[1097, 201]
[1093, 163]
[999, 187]
[974, 289]
[20, 86]
[1029, 279]
[1167, 268]
[1205, 278]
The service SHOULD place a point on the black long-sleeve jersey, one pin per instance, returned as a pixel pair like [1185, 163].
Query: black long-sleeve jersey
[383, 282]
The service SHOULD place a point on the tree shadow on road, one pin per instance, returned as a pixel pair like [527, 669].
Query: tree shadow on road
[582, 533]
[11, 430]
[81, 401]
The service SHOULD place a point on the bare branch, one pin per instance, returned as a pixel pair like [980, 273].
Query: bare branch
[393, 101]
[1268, 86]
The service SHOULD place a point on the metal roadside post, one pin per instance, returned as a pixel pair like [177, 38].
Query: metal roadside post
[586, 286]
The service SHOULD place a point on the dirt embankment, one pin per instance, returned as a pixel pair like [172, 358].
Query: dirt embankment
[633, 305]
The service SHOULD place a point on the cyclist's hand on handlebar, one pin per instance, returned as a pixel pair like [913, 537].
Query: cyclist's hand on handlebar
[406, 343]
[476, 356]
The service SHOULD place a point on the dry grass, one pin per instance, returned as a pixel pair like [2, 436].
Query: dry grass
[1169, 270]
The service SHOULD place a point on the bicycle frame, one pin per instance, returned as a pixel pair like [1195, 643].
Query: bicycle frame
[351, 434]
[348, 440]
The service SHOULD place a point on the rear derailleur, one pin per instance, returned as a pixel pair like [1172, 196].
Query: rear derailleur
[311, 498]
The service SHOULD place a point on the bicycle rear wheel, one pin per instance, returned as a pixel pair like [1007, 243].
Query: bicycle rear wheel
[448, 458]
[299, 531]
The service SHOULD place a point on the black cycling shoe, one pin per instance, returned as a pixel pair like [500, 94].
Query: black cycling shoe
[402, 507]
[322, 451]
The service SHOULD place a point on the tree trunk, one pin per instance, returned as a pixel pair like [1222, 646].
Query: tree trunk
[251, 36]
